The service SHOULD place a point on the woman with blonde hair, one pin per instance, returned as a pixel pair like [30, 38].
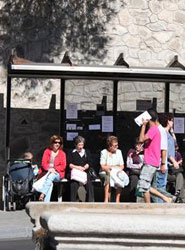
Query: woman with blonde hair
[54, 162]
[111, 158]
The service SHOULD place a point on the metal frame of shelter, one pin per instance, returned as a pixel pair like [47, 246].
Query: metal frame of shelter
[21, 68]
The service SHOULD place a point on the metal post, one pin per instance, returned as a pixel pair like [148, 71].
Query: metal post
[8, 106]
[167, 97]
[115, 105]
[62, 107]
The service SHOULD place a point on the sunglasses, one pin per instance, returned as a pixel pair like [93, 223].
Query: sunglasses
[56, 142]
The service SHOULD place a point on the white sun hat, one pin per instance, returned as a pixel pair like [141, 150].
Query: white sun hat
[118, 178]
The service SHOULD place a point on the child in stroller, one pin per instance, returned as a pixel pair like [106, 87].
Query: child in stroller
[18, 184]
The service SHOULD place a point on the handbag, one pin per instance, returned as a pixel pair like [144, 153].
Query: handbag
[92, 173]
[38, 185]
[78, 175]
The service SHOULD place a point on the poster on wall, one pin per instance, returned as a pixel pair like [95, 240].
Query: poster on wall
[71, 136]
[179, 125]
[71, 126]
[107, 123]
[72, 111]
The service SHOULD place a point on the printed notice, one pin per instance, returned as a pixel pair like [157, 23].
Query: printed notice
[179, 125]
[70, 126]
[72, 112]
[107, 123]
[144, 116]
[71, 136]
[94, 127]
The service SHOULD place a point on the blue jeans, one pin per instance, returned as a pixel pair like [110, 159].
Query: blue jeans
[48, 185]
[161, 182]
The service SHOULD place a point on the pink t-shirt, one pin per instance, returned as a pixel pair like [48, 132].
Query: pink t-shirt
[152, 151]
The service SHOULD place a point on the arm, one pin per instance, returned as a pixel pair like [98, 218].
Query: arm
[60, 162]
[142, 136]
[174, 162]
[130, 163]
[45, 160]
[163, 161]
[103, 161]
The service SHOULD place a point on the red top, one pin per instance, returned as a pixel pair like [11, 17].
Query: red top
[59, 162]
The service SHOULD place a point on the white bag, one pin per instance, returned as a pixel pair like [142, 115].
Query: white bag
[38, 185]
[79, 175]
[118, 178]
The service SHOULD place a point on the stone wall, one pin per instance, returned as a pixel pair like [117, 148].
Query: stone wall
[148, 32]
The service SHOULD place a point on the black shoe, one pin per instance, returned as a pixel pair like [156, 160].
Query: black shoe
[177, 195]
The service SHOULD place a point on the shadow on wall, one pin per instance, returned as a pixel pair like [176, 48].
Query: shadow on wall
[42, 30]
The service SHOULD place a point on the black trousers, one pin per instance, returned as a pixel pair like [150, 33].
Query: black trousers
[88, 186]
[133, 184]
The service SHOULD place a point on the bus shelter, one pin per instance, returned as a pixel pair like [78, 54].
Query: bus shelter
[120, 72]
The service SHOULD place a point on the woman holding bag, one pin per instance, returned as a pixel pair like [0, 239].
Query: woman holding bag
[53, 163]
[79, 161]
[111, 158]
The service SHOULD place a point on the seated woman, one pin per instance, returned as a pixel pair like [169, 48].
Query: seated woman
[110, 158]
[135, 159]
[54, 162]
[80, 158]
[176, 176]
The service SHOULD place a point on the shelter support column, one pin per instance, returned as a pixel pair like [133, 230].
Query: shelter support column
[8, 106]
[115, 105]
[62, 107]
[167, 96]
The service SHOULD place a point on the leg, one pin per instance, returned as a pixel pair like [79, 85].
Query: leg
[133, 184]
[118, 194]
[180, 185]
[74, 189]
[107, 191]
[158, 194]
[147, 197]
[90, 190]
[48, 186]
[161, 182]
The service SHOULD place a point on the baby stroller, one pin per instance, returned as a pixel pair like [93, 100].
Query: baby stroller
[17, 185]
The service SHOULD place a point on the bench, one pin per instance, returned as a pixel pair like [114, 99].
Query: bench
[61, 184]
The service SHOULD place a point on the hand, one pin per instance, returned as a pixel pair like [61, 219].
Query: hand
[163, 169]
[52, 170]
[145, 122]
[176, 165]
[86, 166]
[81, 168]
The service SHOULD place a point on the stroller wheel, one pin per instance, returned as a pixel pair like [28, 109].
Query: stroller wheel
[11, 206]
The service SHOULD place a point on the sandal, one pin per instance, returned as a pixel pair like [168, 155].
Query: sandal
[41, 197]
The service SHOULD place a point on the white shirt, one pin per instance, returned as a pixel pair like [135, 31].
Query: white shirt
[164, 140]
[115, 159]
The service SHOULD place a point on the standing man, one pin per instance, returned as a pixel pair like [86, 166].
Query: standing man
[152, 157]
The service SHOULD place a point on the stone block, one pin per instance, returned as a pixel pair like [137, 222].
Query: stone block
[110, 226]
[138, 4]
[180, 17]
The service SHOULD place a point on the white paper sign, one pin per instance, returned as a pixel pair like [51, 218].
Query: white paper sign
[71, 135]
[70, 126]
[94, 127]
[144, 116]
[72, 112]
[107, 123]
[179, 125]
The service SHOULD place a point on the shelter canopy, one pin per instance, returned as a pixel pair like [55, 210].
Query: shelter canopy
[112, 73]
